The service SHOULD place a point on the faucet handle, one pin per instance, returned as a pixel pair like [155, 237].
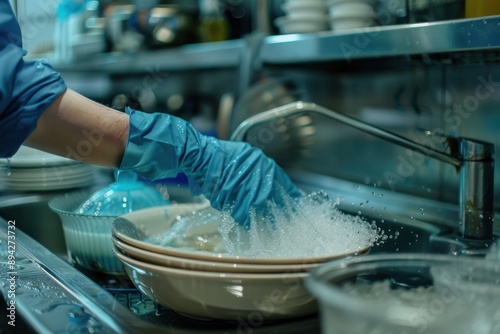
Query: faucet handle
[465, 149]
[450, 142]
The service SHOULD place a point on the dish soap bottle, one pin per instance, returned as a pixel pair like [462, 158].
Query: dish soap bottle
[213, 25]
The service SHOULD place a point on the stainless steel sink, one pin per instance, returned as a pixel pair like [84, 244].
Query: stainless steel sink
[112, 303]
[412, 224]
[404, 233]
[33, 217]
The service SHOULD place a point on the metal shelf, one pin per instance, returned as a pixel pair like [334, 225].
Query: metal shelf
[389, 41]
[398, 40]
[225, 54]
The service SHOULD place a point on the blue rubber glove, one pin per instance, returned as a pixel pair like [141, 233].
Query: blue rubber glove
[228, 174]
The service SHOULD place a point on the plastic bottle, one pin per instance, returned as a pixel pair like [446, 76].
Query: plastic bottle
[213, 25]
[479, 8]
[68, 25]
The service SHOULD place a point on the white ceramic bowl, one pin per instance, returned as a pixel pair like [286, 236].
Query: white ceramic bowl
[303, 24]
[146, 228]
[370, 2]
[295, 10]
[350, 23]
[304, 3]
[199, 265]
[351, 9]
[307, 15]
[226, 296]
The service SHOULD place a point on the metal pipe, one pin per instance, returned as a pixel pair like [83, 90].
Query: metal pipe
[473, 160]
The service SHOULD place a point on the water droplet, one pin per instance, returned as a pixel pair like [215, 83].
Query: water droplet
[40, 63]
[9, 171]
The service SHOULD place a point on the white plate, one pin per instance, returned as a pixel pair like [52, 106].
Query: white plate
[55, 172]
[47, 180]
[30, 157]
[37, 186]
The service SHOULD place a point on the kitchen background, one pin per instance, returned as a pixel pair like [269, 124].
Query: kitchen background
[427, 70]
[447, 82]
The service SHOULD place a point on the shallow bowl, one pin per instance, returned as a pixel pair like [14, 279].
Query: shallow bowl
[225, 296]
[145, 229]
[205, 265]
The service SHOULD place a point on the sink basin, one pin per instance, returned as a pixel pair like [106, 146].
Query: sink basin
[404, 234]
[411, 224]
[34, 217]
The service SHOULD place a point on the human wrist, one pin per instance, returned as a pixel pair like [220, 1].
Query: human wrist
[154, 146]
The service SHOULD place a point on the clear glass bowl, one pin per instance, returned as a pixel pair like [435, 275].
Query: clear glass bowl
[125, 195]
[407, 293]
[87, 217]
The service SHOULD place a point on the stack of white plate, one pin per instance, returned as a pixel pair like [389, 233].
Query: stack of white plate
[33, 170]
[351, 14]
[303, 16]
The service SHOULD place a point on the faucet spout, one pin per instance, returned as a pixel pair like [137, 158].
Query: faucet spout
[473, 160]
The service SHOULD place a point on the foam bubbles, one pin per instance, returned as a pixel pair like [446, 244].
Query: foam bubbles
[310, 227]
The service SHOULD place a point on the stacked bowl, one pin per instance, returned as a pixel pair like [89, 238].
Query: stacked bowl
[351, 14]
[303, 16]
[181, 262]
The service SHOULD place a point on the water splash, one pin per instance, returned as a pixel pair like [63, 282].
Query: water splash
[310, 227]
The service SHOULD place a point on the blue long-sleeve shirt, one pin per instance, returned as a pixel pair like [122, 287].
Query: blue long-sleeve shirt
[27, 88]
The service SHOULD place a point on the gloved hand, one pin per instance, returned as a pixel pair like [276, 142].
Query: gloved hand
[228, 174]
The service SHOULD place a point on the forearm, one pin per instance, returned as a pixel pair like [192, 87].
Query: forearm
[81, 129]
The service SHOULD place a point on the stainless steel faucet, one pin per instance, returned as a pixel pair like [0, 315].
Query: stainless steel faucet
[472, 158]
